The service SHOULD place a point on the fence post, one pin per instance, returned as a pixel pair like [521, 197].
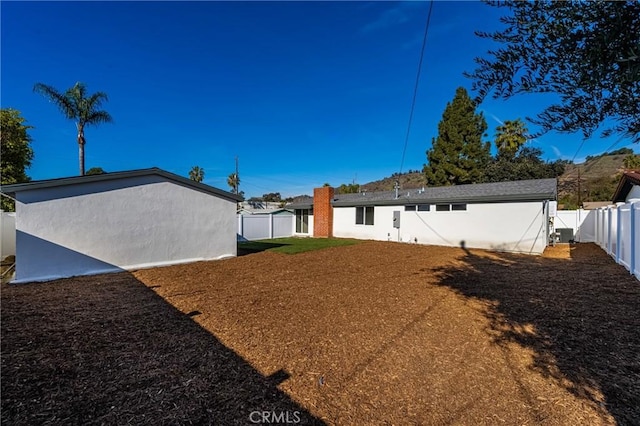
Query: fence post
[270, 225]
[241, 225]
[598, 226]
[618, 233]
[634, 241]
[609, 251]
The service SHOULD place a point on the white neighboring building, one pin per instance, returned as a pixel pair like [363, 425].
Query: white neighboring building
[504, 216]
[119, 221]
[628, 189]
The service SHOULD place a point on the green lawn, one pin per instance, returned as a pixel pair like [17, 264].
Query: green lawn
[293, 245]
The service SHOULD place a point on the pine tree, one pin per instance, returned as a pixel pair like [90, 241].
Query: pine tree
[458, 155]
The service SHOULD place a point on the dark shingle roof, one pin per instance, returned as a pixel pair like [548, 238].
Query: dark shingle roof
[52, 183]
[301, 202]
[523, 190]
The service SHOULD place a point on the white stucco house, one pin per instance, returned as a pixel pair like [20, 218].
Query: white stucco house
[504, 216]
[119, 221]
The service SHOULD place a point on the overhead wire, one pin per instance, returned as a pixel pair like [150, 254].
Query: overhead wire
[600, 157]
[415, 89]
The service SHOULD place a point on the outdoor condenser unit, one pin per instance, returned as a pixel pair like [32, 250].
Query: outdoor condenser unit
[565, 234]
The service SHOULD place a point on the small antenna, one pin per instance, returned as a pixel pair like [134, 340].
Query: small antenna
[396, 186]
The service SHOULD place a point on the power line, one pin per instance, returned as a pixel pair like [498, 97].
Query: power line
[600, 157]
[578, 150]
[415, 89]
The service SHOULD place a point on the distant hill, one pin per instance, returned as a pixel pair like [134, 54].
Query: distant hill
[598, 179]
[411, 180]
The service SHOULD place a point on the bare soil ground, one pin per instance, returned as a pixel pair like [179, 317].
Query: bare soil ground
[374, 333]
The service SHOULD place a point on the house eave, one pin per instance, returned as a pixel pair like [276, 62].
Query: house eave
[626, 183]
[448, 200]
[77, 180]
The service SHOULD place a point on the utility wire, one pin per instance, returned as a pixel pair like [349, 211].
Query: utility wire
[415, 89]
[600, 157]
[578, 150]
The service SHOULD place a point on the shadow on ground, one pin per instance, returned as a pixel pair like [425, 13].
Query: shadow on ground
[250, 247]
[111, 351]
[579, 315]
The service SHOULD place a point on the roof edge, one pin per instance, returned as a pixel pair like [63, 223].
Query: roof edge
[75, 180]
[470, 200]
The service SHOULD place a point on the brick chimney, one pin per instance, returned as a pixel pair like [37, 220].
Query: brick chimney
[323, 212]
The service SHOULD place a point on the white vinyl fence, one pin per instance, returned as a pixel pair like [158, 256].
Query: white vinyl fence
[614, 228]
[265, 226]
[7, 234]
[582, 222]
[618, 233]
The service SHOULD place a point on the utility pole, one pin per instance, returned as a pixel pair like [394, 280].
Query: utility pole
[579, 190]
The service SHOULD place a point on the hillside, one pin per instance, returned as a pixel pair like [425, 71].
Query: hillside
[411, 180]
[598, 179]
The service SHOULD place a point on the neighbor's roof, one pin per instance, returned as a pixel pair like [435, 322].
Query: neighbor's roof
[593, 205]
[53, 183]
[300, 202]
[627, 181]
[522, 190]
[262, 211]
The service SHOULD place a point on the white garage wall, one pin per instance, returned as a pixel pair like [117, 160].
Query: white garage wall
[119, 225]
[517, 227]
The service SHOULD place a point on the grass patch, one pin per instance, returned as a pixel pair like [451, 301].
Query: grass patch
[293, 245]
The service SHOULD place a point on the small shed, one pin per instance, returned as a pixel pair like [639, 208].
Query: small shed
[119, 221]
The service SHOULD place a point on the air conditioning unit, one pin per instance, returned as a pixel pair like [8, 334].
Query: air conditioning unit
[565, 234]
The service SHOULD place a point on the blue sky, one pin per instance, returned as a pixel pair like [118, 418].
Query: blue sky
[302, 92]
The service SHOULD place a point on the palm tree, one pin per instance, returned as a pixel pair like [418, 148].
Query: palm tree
[234, 182]
[510, 136]
[196, 173]
[77, 105]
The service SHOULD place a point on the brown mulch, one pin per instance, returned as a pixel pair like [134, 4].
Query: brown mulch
[375, 333]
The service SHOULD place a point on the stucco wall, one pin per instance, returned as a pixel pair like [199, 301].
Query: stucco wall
[119, 225]
[517, 227]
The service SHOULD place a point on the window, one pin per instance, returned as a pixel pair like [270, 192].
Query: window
[368, 217]
[458, 207]
[409, 208]
[423, 207]
[302, 221]
[443, 207]
[364, 215]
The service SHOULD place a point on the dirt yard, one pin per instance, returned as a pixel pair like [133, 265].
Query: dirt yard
[374, 333]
